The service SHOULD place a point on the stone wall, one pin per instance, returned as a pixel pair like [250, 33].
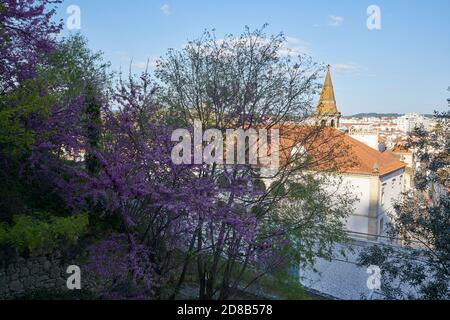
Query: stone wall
[21, 276]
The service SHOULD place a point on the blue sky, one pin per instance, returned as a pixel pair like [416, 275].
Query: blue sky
[404, 67]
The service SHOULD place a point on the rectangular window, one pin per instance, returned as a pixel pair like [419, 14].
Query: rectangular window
[381, 230]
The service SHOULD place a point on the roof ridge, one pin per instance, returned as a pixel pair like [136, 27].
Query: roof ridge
[364, 148]
[376, 155]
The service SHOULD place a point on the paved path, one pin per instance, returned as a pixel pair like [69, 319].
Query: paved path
[340, 278]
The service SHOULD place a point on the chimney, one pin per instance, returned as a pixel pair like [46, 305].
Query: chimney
[376, 168]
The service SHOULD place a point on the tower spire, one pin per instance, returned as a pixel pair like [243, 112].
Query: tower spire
[327, 110]
[327, 102]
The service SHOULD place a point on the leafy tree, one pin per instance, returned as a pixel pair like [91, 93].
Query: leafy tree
[420, 269]
[77, 72]
[70, 76]
[38, 116]
[27, 37]
[244, 82]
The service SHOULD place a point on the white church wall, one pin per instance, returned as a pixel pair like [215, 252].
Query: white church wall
[391, 186]
[359, 185]
[358, 221]
[407, 158]
[358, 225]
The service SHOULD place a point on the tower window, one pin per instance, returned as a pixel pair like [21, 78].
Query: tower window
[383, 194]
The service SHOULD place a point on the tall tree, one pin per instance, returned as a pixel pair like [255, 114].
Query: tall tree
[49, 111]
[245, 82]
[27, 38]
[420, 269]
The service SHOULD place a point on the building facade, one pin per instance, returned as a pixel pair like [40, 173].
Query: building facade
[375, 178]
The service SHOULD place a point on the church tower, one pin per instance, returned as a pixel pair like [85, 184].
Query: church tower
[327, 113]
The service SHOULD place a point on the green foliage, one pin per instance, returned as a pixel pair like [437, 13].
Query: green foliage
[26, 102]
[279, 284]
[420, 269]
[69, 228]
[313, 217]
[28, 233]
[69, 72]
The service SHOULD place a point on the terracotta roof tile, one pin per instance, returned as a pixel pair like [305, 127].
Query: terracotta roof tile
[332, 150]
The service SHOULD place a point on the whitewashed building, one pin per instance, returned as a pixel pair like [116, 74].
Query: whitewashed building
[376, 178]
[368, 137]
[409, 121]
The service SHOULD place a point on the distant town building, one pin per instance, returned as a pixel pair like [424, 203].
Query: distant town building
[368, 137]
[405, 155]
[409, 121]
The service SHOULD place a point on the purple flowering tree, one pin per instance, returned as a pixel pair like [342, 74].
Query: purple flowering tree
[251, 81]
[157, 226]
[27, 36]
[27, 32]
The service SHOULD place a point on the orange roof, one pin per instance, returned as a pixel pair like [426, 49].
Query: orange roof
[400, 148]
[329, 149]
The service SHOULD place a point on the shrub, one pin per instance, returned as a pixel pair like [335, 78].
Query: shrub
[28, 233]
[69, 228]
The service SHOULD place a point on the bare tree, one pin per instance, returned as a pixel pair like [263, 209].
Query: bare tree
[250, 82]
